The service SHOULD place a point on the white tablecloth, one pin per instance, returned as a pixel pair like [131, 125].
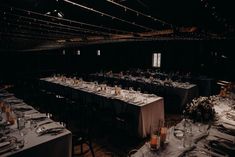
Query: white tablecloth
[147, 109]
[38, 146]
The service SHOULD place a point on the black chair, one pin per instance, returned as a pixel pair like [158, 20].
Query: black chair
[124, 120]
[81, 133]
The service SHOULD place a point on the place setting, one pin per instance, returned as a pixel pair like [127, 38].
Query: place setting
[54, 128]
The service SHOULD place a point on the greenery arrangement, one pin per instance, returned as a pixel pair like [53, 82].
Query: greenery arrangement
[200, 110]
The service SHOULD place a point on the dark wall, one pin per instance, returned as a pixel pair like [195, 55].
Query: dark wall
[214, 58]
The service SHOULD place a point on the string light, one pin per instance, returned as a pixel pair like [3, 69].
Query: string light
[70, 21]
[109, 35]
[212, 9]
[137, 12]
[59, 25]
[108, 15]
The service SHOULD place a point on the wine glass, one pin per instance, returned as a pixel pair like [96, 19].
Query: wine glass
[33, 125]
[49, 115]
[138, 90]
[22, 129]
[62, 124]
[179, 134]
[188, 133]
[169, 131]
[199, 125]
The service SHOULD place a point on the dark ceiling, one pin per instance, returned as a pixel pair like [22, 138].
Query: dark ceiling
[50, 24]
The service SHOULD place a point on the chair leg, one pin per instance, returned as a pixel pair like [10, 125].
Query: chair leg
[81, 148]
[72, 150]
[91, 148]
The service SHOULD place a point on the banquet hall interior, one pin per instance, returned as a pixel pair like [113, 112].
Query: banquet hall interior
[117, 78]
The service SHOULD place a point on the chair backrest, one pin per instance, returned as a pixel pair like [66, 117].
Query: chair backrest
[86, 118]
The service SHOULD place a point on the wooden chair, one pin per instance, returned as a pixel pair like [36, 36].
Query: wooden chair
[83, 131]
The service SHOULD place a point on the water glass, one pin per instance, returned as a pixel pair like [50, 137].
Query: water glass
[130, 88]
[20, 123]
[33, 125]
[62, 124]
[49, 115]
[138, 90]
[187, 140]
[179, 134]
[145, 100]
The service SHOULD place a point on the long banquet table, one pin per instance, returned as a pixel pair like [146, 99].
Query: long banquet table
[213, 139]
[34, 144]
[146, 109]
[185, 92]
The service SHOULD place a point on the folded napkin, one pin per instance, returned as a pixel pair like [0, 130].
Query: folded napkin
[36, 116]
[226, 129]
[201, 152]
[7, 145]
[219, 147]
[7, 95]
[22, 109]
[51, 128]
[151, 95]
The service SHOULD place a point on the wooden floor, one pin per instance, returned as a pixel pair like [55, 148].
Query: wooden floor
[112, 145]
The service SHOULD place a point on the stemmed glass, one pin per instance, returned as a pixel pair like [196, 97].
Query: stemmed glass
[179, 134]
[199, 123]
[169, 132]
[21, 128]
[130, 88]
[62, 124]
[49, 115]
[138, 90]
[33, 125]
[188, 133]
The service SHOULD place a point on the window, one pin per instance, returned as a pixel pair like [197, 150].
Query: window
[156, 60]
[78, 52]
[98, 52]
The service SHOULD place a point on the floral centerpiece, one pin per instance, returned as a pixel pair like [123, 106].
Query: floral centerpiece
[200, 110]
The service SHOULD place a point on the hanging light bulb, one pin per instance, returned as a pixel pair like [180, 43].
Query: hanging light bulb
[55, 13]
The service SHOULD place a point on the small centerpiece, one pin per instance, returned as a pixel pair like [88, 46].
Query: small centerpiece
[200, 110]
